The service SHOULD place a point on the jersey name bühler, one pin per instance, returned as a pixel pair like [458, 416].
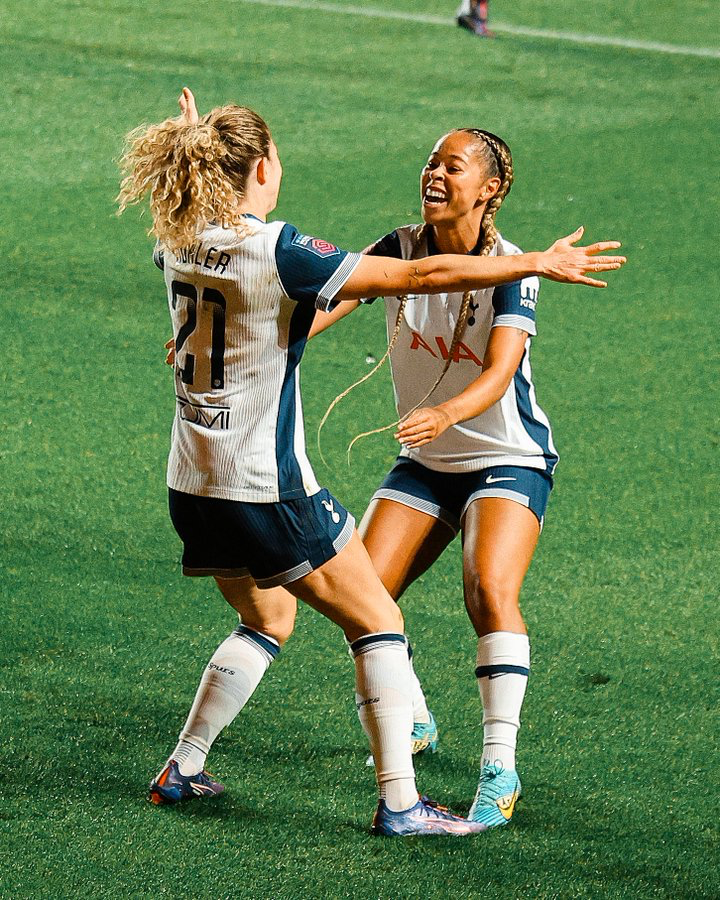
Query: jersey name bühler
[210, 258]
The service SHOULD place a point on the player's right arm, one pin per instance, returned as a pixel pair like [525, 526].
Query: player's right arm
[382, 276]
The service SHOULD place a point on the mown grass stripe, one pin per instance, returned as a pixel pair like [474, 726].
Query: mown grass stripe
[600, 40]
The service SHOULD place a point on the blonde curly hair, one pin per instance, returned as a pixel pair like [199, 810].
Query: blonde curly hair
[195, 174]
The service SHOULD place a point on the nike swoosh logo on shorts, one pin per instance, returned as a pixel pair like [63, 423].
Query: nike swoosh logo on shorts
[491, 479]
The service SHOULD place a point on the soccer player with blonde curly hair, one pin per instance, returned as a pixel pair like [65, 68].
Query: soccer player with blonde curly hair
[242, 295]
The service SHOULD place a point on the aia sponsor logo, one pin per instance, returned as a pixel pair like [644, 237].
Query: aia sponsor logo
[316, 246]
[462, 351]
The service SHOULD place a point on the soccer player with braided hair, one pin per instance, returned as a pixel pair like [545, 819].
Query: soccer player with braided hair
[242, 294]
[477, 451]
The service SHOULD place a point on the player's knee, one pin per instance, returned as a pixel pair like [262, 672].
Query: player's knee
[487, 594]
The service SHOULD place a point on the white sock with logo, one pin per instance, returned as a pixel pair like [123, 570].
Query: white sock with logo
[503, 666]
[383, 697]
[421, 713]
[228, 682]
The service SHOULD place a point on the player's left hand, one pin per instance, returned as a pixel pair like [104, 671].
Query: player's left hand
[170, 347]
[423, 426]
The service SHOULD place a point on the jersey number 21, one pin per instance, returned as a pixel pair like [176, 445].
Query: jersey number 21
[209, 302]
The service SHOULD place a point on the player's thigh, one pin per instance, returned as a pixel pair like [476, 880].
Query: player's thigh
[348, 590]
[402, 542]
[270, 610]
[499, 539]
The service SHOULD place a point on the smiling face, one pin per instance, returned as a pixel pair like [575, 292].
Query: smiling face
[455, 183]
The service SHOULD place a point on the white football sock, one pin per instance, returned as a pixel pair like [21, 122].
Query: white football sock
[421, 713]
[503, 666]
[384, 701]
[228, 682]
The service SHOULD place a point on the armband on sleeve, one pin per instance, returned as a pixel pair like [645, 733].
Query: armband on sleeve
[514, 304]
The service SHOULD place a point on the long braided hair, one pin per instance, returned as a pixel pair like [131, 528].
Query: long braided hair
[417, 243]
[493, 154]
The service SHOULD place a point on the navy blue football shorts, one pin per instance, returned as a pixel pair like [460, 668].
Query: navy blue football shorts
[447, 495]
[275, 543]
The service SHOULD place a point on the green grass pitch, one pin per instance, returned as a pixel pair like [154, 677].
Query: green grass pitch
[103, 641]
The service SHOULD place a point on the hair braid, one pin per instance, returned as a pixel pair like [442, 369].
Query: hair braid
[419, 236]
[494, 155]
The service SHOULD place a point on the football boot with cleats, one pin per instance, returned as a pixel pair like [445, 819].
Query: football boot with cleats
[424, 737]
[172, 787]
[497, 793]
[425, 818]
[474, 24]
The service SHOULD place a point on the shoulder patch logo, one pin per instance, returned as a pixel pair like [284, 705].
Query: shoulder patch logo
[316, 246]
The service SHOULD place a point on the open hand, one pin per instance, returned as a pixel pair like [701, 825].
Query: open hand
[422, 426]
[566, 263]
[170, 347]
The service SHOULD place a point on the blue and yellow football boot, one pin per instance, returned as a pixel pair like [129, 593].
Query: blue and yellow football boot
[425, 818]
[424, 736]
[172, 787]
[496, 796]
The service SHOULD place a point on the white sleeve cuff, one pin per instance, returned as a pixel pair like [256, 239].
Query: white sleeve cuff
[512, 321]
[336, 281]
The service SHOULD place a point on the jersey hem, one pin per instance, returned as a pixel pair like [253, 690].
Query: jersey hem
[477, 464]
[225, 493]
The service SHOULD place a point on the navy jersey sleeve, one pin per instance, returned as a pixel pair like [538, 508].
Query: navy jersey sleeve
[386, 246]
[312, 270]
[514, 304]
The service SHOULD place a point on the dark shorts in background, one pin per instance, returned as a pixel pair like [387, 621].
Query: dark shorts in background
[447, 495]
[274, 542]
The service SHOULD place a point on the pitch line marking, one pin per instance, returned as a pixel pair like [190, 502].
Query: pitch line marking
[370, 12]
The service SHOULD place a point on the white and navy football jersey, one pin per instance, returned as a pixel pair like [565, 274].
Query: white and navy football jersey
[514, 431]
[241, 310]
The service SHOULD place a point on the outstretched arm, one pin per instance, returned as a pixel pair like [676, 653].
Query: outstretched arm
[382, 276]
[502, 358]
